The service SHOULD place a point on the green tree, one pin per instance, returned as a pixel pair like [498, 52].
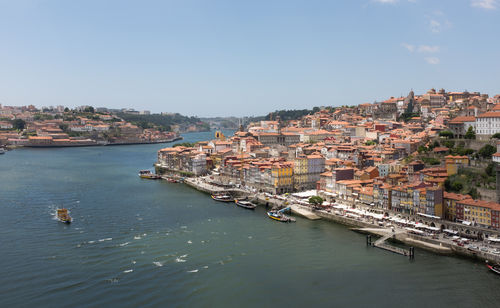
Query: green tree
[315, 200]
[449, 144]
[89, 109]
[422, 149]
[19, 124]
[184, 144]
[496, 136]
[470, 134]
[490, 169]
[487, 150]
[446, 133]
[456, 186]
[66, 109]
[473, 193]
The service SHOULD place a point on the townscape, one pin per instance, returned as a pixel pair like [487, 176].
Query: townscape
[400, 163]
[83, 126]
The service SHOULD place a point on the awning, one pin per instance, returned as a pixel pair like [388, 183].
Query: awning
[415, 230]
[429, 216]
[306, 194]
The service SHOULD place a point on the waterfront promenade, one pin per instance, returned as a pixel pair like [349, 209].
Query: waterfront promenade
[391, 226]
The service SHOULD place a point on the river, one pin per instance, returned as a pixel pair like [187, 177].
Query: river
[143, 243]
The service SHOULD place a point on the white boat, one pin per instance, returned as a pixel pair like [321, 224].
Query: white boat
[2, 151]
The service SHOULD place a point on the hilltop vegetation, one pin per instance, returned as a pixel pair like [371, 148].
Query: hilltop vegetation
[164, 121]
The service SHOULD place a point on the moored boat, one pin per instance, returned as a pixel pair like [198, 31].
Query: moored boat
[223, 198]
[2, 151]
[245, 204]
[495, 268]
[63, 216]
[146, 174]
[277, 215]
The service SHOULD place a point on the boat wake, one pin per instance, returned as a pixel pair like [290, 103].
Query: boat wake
[193, 271]
[124, 244]
[105, 239]
[128, 271]
[158, 263]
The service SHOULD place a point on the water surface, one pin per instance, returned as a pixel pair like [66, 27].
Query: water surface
[138, 242]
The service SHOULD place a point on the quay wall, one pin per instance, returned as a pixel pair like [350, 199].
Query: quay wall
[425, 243]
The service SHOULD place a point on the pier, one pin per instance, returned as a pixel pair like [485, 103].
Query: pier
[365, 227]
[382, 242]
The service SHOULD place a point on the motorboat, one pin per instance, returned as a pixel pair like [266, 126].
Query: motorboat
[147, 174]
[63, 216]
[245, 204]
[223, 198]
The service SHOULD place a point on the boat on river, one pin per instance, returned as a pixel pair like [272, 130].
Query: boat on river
[246, 204]
[279, 216]
[146, 174]
[2, 151]
[495, 268]
[223, 198]
[63, 216]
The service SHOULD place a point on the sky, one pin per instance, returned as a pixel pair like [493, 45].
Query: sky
[237, 58]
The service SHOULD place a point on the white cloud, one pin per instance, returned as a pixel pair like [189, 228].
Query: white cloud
[428, 49]
[421, 48]
[432, 60]
[435, 26]
[437, 21]
[411, 48]
[484, 4]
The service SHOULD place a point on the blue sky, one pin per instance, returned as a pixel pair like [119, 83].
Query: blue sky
[211, 58]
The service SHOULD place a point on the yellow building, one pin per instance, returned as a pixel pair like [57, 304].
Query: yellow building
[300, 170]
[282, 177]
[453, 163]
[450, 204]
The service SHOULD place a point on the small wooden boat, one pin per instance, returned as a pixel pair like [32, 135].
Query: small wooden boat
[223, 198]
[63, 216]
[495, 268]
[245, 204]
[146, 174]
[276, 215]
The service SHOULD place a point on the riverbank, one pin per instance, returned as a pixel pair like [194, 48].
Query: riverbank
[443, 246]
[85, 143]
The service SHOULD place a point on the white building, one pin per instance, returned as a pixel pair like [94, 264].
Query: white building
[487, 124]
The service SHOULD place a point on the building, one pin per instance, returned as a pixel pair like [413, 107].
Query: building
[459, 126]
[453, 163]
[487, 124]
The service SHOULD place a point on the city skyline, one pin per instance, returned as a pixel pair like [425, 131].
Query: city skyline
[236, 59]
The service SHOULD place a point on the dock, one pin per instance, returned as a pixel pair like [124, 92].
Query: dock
[382, 242]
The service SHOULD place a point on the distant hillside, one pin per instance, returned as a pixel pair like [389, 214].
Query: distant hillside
[233, 122]
[286, 115]
[164, 121]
